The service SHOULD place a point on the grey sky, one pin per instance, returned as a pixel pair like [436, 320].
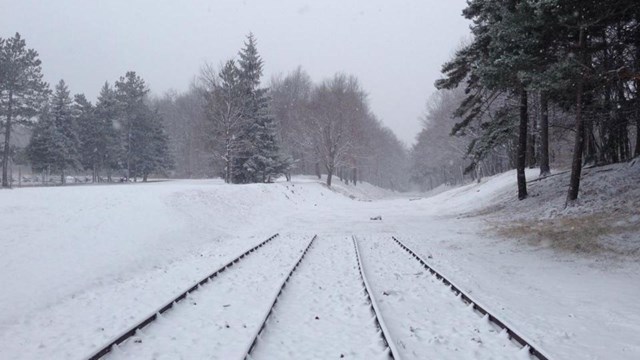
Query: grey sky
[395, 47]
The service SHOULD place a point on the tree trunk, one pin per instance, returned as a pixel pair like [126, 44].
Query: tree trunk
[318, 170]
[329, 176]
[145, 177]
[355, 176]
[227, 175]
[637, 151]
[522, 146]
[531, 144]
[7, 143]
[128, 168]
[590, 151]
[576, 165]
[544, 135]
[622, 127]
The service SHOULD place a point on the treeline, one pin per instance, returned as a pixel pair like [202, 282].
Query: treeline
[577, 59]
[329, 128]
[120, 135]
[228, 125]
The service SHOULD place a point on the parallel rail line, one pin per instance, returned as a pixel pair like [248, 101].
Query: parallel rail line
[154, 316]
[533, 350]
[263, 325]
[384, 331]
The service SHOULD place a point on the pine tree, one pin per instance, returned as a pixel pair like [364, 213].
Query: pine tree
[108, 143]
[261, 159]
[22, 91]
[61, 111]
[225, 112]
[507, 55]
[130, 93]
[44, 147]
[145, 145]
[151, 144]
[88, 134]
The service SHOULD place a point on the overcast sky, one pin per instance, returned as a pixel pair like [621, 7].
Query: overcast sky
[395, 47]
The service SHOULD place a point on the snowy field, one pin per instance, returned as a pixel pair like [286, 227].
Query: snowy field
[81, 264]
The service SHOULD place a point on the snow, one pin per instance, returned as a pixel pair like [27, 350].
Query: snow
[322, 301]
[423, 315]
[83, 263]
[220, 319]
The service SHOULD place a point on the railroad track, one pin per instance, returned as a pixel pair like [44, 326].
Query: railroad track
[155, 315]
[392, 352]
[382, 332]
[263, 324]
[481, 310]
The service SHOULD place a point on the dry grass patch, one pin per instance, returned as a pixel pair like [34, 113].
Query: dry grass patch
[591, 234]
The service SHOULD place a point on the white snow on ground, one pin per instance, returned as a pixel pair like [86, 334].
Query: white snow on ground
[79, 264]
[219, 320]
[423, 315]
[322, 302]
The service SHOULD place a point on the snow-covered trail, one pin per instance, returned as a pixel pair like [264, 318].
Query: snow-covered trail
[323, 312]
[423, 315]
[218, 321]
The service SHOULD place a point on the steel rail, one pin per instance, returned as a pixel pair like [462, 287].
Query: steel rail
[384, 331]
[154, 316]
[263, 325]
[533, 350]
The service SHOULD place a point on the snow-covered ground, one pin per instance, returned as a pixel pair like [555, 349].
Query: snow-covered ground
[323, 304]
[219, 320]
[422, 315]
[81, 264]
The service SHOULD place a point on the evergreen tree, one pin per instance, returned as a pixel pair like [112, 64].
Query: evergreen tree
[507, 55]
[145, 145]
[45, 145]
[151, 144]
[261, 159]
[130, 93]
[107, 141]
[22, 91]
[225, 112]
[68, 145]
[88, 134]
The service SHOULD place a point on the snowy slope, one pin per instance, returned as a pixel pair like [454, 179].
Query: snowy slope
[80, 264]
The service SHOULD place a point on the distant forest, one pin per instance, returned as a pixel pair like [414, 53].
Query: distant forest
[226, 125]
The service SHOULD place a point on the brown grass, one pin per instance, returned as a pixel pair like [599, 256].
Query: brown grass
[584, 234]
